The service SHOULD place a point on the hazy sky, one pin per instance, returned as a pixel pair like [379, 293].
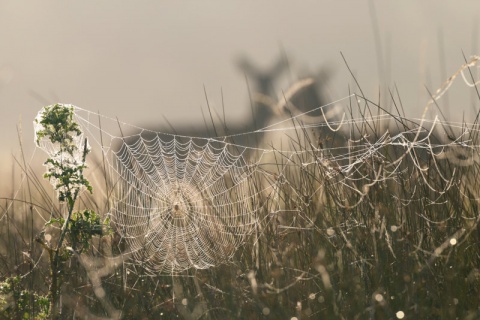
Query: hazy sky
[140, 59]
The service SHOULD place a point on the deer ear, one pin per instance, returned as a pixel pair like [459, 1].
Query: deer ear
[244, 64]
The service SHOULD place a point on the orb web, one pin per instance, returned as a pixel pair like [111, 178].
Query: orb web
[182, 203]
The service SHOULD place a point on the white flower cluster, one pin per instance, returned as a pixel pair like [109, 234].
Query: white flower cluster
[57, 133]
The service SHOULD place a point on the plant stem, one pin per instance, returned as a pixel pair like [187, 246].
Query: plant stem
[54, 263]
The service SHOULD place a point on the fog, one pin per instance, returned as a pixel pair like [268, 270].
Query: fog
[141, 60]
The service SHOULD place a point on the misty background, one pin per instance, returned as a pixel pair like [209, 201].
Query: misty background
[142, 60]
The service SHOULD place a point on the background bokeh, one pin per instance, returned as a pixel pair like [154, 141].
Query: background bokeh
[139, 60]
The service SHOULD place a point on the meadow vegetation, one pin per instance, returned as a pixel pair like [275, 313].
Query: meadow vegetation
[381, 224]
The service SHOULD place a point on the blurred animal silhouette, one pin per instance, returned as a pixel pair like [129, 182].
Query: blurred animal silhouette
[269, 105]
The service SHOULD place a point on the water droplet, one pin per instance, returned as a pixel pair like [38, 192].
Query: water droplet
[400, 314]
[299, 306]
[378, 297]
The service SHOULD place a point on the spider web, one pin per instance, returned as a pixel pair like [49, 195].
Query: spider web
[180, 202]
[184, 202]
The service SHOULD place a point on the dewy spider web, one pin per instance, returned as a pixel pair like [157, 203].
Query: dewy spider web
[182, 203]
[179, 202]
[188, 202]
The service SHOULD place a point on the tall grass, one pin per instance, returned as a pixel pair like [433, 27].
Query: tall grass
[396, 235]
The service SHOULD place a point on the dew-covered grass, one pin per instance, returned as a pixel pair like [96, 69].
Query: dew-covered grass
[363, 223]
